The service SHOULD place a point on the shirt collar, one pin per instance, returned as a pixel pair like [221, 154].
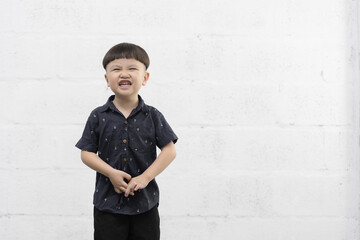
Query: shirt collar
[110, 105]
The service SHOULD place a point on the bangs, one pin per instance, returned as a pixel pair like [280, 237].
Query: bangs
[128, 51]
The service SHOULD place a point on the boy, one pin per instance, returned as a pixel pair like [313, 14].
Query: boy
[119, 142]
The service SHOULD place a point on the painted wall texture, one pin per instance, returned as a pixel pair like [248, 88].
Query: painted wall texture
[264, 97]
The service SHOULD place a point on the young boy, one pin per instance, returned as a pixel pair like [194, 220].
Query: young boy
[119, 142]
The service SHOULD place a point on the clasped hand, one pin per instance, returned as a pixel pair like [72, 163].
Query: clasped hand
[118, 178]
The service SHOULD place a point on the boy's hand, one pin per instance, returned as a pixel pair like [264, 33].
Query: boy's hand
[117, 179]
[136, 183]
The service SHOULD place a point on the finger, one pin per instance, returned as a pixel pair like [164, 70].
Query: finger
[127, 191]
[130, 194]
[130, 188]
[117, 190]
[124, 185]
[127, 176]
[120, 189]
[137, 187]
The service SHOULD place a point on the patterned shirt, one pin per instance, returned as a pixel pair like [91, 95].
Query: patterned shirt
[127, 144]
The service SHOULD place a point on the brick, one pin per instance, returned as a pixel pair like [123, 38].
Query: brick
[214, 193]
[49, 192]
[51, 227]
[176, 228]
[264, 149]
[218, 105]
[316, 105]
[49, 102]
[312, 195]
[77, 58]
[52, 147]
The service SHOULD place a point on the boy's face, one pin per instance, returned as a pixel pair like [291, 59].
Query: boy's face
[126, 76]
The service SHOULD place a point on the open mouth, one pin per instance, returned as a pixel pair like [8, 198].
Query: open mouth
[124, 83]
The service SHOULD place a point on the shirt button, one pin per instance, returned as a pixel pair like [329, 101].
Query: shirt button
[124, 141]
[126, 122]
[125, 159]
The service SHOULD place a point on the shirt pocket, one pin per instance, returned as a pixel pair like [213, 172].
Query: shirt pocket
[138, 145]
[144, 153]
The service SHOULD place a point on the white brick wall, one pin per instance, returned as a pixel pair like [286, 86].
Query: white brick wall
[264, 96]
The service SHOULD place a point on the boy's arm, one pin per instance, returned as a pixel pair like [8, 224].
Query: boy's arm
[166, 156]
[116, 176]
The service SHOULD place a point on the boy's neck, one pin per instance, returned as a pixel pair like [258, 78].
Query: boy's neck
[126, 104]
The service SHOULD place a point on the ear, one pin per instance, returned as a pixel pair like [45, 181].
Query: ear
[146, 78]
[107, 80]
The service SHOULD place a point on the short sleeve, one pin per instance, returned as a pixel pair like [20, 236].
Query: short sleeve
[89, 139]
[164, 133]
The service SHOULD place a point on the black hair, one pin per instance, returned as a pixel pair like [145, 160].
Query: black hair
[126, 50]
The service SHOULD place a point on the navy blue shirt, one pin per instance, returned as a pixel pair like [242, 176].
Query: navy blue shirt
[127, 144]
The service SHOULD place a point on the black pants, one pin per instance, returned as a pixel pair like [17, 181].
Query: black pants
[109, 226]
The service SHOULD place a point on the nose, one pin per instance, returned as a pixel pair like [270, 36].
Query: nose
[124, 74]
